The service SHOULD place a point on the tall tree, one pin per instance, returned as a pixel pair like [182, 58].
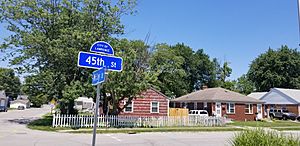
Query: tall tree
[180, 69]
[135, 77]
[47, 35]
[168, 66]
[276, 68]
[244, 85]
[9, 82]
[225, 71]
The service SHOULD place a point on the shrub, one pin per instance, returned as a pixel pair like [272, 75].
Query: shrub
[260, 137]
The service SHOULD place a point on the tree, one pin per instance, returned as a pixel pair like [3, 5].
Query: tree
[244, 85]
[168, 66]
[225, 71]
[180, 69]
[47, 36]
[135, 77]
[9, 82]
[276, 68]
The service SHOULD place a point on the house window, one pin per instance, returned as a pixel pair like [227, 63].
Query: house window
[248, 109]
[154, 107]
[230, 108]
[129, 107]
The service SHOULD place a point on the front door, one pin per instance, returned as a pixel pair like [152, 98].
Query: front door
[259, 112]
[218, 109]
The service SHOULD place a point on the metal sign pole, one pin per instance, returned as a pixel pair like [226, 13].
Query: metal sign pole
[96, 115]
[298, 3]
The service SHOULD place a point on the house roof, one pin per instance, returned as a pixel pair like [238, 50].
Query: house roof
[24, 101]
[292, 93]
[22, 97]
[257, 95]
[217, 95]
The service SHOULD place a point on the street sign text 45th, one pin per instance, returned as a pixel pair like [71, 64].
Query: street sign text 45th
[97, 61]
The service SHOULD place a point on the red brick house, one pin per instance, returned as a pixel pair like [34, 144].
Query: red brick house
[221, 102]
[151, 103]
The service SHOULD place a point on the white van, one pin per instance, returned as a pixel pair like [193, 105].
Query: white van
[198, 112]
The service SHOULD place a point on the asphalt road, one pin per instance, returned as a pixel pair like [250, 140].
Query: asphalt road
[13, 132]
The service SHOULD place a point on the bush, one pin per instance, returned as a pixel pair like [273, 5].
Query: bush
[260, 137]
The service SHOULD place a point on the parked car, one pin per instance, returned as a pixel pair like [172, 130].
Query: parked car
[298, 118]
[21, 107]
[282, 114]
[198, 112]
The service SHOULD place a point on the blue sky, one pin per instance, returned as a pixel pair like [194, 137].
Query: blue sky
[233, 30]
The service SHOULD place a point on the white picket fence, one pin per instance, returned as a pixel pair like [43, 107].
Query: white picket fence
[128, 121]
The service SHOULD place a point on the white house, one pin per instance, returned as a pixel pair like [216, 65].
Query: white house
[84, 104]
[283, 98]
[20, 102]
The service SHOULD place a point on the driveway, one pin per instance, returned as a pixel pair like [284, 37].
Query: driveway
[13, 132]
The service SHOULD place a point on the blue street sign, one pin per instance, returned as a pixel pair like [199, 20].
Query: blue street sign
[98, 76]
[102, 47]
[97, 61]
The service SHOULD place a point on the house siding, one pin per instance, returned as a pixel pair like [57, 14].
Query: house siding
[142, 105]
[240, 114]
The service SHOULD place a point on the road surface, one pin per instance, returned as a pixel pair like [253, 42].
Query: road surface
[13, 132]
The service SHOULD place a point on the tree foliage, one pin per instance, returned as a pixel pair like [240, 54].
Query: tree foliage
[135, 77]
[47, 36]
[9, 82]
[244, 85]
[181, 70]
[276, 68]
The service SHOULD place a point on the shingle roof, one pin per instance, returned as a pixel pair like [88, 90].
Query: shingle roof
[257, 95]
[217, 95]
[292, 93]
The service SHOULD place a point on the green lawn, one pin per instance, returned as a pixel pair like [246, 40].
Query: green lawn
[271, 124]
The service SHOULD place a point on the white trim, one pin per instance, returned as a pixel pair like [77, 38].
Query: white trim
[195, 105]
[168, 106]
[228, 112]
[216, 113]
[157, 107]
[250, 109]
[131, 107]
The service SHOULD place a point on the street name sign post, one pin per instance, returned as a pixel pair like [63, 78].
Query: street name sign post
[102, 63]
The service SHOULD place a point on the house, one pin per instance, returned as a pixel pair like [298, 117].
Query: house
[20, 102]
[84, 104]
[150, 103]
[221, 102]
[283, 98]
[3, 101]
